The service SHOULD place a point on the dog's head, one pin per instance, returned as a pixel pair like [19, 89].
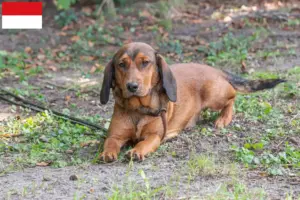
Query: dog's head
[136, 69]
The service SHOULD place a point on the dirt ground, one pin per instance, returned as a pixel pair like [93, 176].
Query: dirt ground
[196, 24]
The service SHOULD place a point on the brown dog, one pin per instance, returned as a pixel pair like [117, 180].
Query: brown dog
[154, 102]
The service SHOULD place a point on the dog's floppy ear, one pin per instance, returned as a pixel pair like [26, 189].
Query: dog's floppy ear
[107, 82]
[167, 77]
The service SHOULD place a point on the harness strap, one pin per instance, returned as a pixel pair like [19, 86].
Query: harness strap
[164, 121]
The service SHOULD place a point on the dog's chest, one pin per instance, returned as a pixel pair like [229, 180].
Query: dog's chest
[140, 122]
[148, 105]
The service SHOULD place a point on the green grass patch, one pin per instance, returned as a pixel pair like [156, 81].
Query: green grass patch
[237, 190]
[208, 165]
[15, 64]
[229, 50]
[202, 165]
[91, 38]
[28, 90]
[44, 138]
[131, 189]
[172, 46]
[275, 163]
[65, 17]
[255, 108]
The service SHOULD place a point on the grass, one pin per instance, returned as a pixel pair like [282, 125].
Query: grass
[15, 64]
[292, 23]
[258, 150]
[237, 190]
[65, 17]
[29, 91]
[48, 140]
[229, 50]
[202, 165]
[208, 165]
[275, 163]
[143, 190]
[173, 46]
[259, 137]
[268, 120]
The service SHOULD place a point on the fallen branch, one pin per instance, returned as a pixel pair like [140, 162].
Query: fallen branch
[27, 104]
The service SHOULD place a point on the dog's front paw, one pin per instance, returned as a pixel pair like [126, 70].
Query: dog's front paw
[136, 154]
[108, 156]
[222, 122]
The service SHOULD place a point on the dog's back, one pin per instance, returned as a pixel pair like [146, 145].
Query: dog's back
[201, 86]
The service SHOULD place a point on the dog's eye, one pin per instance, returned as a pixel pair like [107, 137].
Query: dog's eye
[122, 64]
[145, 63]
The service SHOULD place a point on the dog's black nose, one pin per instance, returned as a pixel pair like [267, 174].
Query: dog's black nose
[132, 87]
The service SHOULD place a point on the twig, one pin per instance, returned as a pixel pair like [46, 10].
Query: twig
[27, 104]
[294, 117]
[101, 6]
[72, 88]
[277, 146]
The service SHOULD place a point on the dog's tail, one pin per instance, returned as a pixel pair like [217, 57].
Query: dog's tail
[247, 86]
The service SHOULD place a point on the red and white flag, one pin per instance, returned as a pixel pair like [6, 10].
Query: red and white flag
[22, 15]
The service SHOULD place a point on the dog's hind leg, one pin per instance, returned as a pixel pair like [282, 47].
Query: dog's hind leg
[226, 115]
[220, 97]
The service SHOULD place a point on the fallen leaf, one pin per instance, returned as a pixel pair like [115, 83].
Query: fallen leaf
[264, 174]
[41, 56]
[53, 68]
[69, 151]
[93, 69]
[145, 13]
[75, 38]
[87, 10]
[39, 63]
[197, 21]
[88, 143]
[165, 35]
[91, 44]
[250, 71]
[66, 58]
[227, 19]
[43, 164]
[65, 28]
[243, 68]
[49, 62]
[68, 98]
[28, 66]
[61, 34]
[101, 67]
[86, 58]
[7, 135]
[28, 50]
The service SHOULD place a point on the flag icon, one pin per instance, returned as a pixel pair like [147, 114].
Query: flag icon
[22, 15]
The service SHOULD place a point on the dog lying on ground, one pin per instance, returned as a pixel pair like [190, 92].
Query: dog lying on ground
[154, 102]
